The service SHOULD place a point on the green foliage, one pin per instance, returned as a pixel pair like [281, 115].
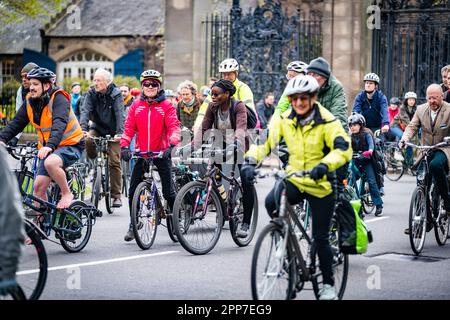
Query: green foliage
[14, 11]
[67, 84]
[131, 81]
[11, 86]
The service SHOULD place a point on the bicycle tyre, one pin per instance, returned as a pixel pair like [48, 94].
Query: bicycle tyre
[417, 220]
[171, 228]
[150, 219]
[107, 189]
[394, 168]
[69, 222]
[14, 294]
[33, 289]
[440, 220]
[236, 220]
[187, 224]
[96, 185]
[340, 264]
[285, 275]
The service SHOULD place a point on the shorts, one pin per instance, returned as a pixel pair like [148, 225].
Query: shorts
[68, 154]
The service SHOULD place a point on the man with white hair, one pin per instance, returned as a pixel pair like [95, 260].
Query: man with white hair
[103, 105]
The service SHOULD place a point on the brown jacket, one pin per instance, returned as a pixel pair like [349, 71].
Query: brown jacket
[430, 135]
[238, 119]
[404, 116]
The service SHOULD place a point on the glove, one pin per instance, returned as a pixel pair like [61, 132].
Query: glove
[319, 171]
[168, 153]
[13, 142]
[248, 173]
[125, 154]
[367, 153]
[6, 286]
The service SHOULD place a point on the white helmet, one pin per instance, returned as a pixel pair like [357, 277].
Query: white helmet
[302, 84]
[297, 66]
[372, 77]
[229, 65]
[410, 94]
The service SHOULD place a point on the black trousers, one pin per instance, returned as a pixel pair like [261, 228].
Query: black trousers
[439, 170]
[164, 167]
[321, 213]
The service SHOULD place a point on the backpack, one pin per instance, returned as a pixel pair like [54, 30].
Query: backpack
[354, 235]
[252, 118]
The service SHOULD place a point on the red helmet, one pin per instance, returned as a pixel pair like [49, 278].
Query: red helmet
[135, 92]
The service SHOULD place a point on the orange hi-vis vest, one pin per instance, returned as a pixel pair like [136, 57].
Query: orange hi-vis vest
[73, 133]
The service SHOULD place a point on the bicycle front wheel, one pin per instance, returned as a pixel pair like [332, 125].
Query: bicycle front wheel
[32, 270]
[144, 216]
[273, 273]
[76, 234]
[417, 220]
[238, 216]
[394, 168]
[340, 264]
[197, 217]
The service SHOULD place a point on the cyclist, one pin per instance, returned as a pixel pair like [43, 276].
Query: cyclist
[363, 143]
[434, 119]
[11, 226]
[103, 105]
[75, 94]
[61, 140]
[294, 68]
[372, 104]
[227, 115]
[189, 105]
[229, 69]
[316, 141]
[154, 120]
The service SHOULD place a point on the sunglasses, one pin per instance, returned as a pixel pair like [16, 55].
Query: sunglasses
[151, 84]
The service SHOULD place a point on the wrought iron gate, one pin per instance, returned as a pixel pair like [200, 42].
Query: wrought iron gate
[412, 45]
[263, 42]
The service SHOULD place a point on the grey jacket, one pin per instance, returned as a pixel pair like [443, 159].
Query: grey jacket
[11, 220]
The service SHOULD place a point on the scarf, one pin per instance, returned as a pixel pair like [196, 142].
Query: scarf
[188, 107]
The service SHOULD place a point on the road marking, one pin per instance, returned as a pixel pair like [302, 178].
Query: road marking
[376, 219]
[93, 263]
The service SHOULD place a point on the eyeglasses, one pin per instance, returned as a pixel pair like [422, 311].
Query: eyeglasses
[151, 84]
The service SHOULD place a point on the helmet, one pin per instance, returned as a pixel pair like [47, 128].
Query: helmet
[302, 84]
[372, 77]
[75, 84]
[151, 74]
[297, 66]
[410, 94]
[229, 65]
[356, 118]
[169, 93]
[28, 67]
[42, 74]
[394, 100]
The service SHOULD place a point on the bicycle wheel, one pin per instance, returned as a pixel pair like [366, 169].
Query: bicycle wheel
[368, 205]
[197, 221]
[25, 181]
[96, 185]
[340, 265]
[417, 220]
[273, 273]
[125, 176]
[107, 189]
[32, 269]
[80, 232]
[76, 185]
[144, 216]
[238, 216]
[394, 168]
[170, 228]
[440, 218]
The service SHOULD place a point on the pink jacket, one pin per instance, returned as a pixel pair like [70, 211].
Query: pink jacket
[156, 125]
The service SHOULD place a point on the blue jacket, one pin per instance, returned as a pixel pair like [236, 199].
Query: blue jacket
[376, 114]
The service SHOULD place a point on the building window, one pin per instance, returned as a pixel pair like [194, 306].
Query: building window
[6, 71]
[82, 64]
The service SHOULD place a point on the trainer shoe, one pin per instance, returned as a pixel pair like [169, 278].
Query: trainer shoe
[379, 211]
[117, 203]
[398, 156]
[328, 292]
[243, 231]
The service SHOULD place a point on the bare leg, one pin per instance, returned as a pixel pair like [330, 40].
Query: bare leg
[53, 164]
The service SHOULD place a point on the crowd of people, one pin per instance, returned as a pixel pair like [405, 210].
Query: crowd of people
[311, 119]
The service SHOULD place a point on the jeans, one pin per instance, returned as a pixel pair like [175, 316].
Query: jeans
[321, 212]
[366, 166]
[164, 167]
[439, 169]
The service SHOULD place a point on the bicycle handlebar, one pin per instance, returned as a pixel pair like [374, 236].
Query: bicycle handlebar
[440, 144]
[281, 174]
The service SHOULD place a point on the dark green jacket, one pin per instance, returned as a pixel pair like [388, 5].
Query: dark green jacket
[333, 98]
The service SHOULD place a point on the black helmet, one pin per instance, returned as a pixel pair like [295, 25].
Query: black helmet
[356, 118]
[42, 74]
[394, 100]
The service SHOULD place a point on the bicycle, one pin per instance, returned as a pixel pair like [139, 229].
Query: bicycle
[68, 224]
[426, 208]
[355, 191]
[101, 180]
[283, 259]
[396, 167]
[200, 211]
[148, 206]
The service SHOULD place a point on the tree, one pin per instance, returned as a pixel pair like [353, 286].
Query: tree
[14, 11]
